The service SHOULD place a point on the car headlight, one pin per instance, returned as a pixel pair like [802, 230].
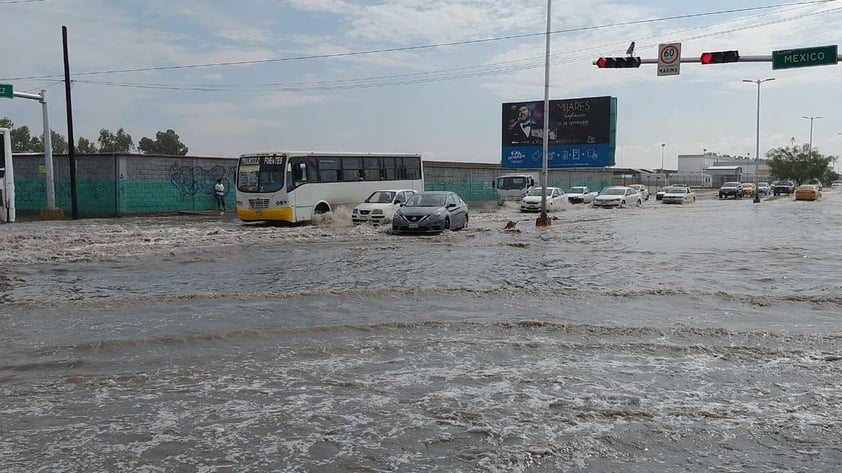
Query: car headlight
[377, 212]
[355, 211]
[398, 216]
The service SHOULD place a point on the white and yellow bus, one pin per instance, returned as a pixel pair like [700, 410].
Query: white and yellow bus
[294, 186]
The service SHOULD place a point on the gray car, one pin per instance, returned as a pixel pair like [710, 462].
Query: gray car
[431, 212]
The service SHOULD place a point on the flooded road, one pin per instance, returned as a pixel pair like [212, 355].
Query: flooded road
[660, 338]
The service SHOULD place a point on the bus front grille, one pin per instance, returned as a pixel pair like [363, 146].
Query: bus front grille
[259, 203]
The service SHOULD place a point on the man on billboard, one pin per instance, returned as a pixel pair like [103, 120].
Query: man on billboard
[522, 127]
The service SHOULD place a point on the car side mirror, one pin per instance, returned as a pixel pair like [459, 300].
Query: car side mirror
[451, 206]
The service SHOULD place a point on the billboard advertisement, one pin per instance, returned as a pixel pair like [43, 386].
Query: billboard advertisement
[581, 133]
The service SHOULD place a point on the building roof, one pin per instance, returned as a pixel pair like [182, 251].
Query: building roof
[723, 168]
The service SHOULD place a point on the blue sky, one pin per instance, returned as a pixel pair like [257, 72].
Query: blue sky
[348, 75]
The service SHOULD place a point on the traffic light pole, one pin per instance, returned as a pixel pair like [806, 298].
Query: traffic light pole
[698, 60]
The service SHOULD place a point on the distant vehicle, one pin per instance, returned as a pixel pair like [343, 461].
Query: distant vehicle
[380, 206]
[731, 189]
[581, 195]
[512, 187]
[783, 187]
[679, 195]
[836, 184]
[808, 192]
[815, 182]
[431, 212]
[617, 196]
[294, 186]
[749, 189]
[643, 190]
[532, 201]
[764, 188]
[660, 193]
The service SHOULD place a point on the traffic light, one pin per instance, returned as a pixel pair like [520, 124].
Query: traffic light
[720, 57]
[617, 62]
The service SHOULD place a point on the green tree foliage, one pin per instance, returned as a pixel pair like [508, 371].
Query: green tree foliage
[120, 142]
[85, 146]
[22, 139]
[57, 141]
[799, 163]
[166, 142]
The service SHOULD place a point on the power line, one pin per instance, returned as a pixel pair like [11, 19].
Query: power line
[430, 46]
[485, 70]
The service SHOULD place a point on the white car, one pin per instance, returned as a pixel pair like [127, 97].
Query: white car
[581, 195]
[617, 196]
[532, 201]
[679, 195]
[380, 206]
[643, 190]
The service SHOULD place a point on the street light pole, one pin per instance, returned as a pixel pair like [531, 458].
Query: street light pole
[757, 137]
[810, 149]
[662, 163]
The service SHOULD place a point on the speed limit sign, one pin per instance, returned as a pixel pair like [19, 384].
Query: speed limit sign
[669, 59]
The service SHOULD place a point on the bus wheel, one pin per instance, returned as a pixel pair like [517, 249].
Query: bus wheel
[322, 209]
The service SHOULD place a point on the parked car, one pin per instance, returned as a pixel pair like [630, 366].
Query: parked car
[643, 190]
[431, 212]
[617, 196]
[380, 206]
[749, 189]
[808, 192]
[581, 195]
[679, 195]
[731, 189]
[764, 188]
[783, 187]
[532, 201]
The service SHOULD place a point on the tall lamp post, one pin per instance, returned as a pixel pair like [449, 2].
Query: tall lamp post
[757, 138]
[662, 163]
[810, 148]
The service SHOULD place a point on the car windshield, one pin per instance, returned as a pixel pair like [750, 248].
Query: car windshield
[539, 191]
[678, 190]
[380, 197]
[426, 200]
[731, 184]
[578, 190]
[614, 191]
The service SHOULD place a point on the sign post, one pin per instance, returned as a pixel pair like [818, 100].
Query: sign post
[7, 91]
[804, 57]
[669, 59]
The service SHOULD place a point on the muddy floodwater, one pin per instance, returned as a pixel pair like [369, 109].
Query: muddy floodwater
[660, 338]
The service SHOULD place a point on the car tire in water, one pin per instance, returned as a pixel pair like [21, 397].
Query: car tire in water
[447, 223]
[639, 202]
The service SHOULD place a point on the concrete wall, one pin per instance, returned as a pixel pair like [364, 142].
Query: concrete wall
[122, 184]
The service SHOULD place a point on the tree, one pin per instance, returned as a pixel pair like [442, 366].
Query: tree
[85, 146]
[120, 142]
[57, 141]
[799, 163]
[166, 142]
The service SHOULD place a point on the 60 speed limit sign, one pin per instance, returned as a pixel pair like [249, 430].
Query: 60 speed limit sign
[669, 59]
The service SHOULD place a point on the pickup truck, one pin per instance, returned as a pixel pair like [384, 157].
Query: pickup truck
[581, 195]
[783, 187]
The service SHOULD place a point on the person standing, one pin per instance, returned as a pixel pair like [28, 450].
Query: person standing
[219, 193]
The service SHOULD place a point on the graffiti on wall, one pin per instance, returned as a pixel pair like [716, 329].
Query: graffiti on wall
[33, 194]
[196, 180]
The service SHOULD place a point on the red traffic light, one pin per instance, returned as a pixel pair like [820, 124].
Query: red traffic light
[719, 57]
[617, 62]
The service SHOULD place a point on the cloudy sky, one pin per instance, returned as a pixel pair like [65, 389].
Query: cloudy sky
[421, 76]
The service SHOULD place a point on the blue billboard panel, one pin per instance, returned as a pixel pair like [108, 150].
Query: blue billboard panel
[581, 133]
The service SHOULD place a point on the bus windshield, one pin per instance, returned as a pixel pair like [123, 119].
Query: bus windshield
[261, 173]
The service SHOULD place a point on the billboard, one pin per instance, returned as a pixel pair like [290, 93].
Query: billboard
[581, 133]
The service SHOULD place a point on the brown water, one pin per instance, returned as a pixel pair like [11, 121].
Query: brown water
[660, 338]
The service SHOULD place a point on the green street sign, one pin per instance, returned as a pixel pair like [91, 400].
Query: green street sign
[804, 57]
[7, 91]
